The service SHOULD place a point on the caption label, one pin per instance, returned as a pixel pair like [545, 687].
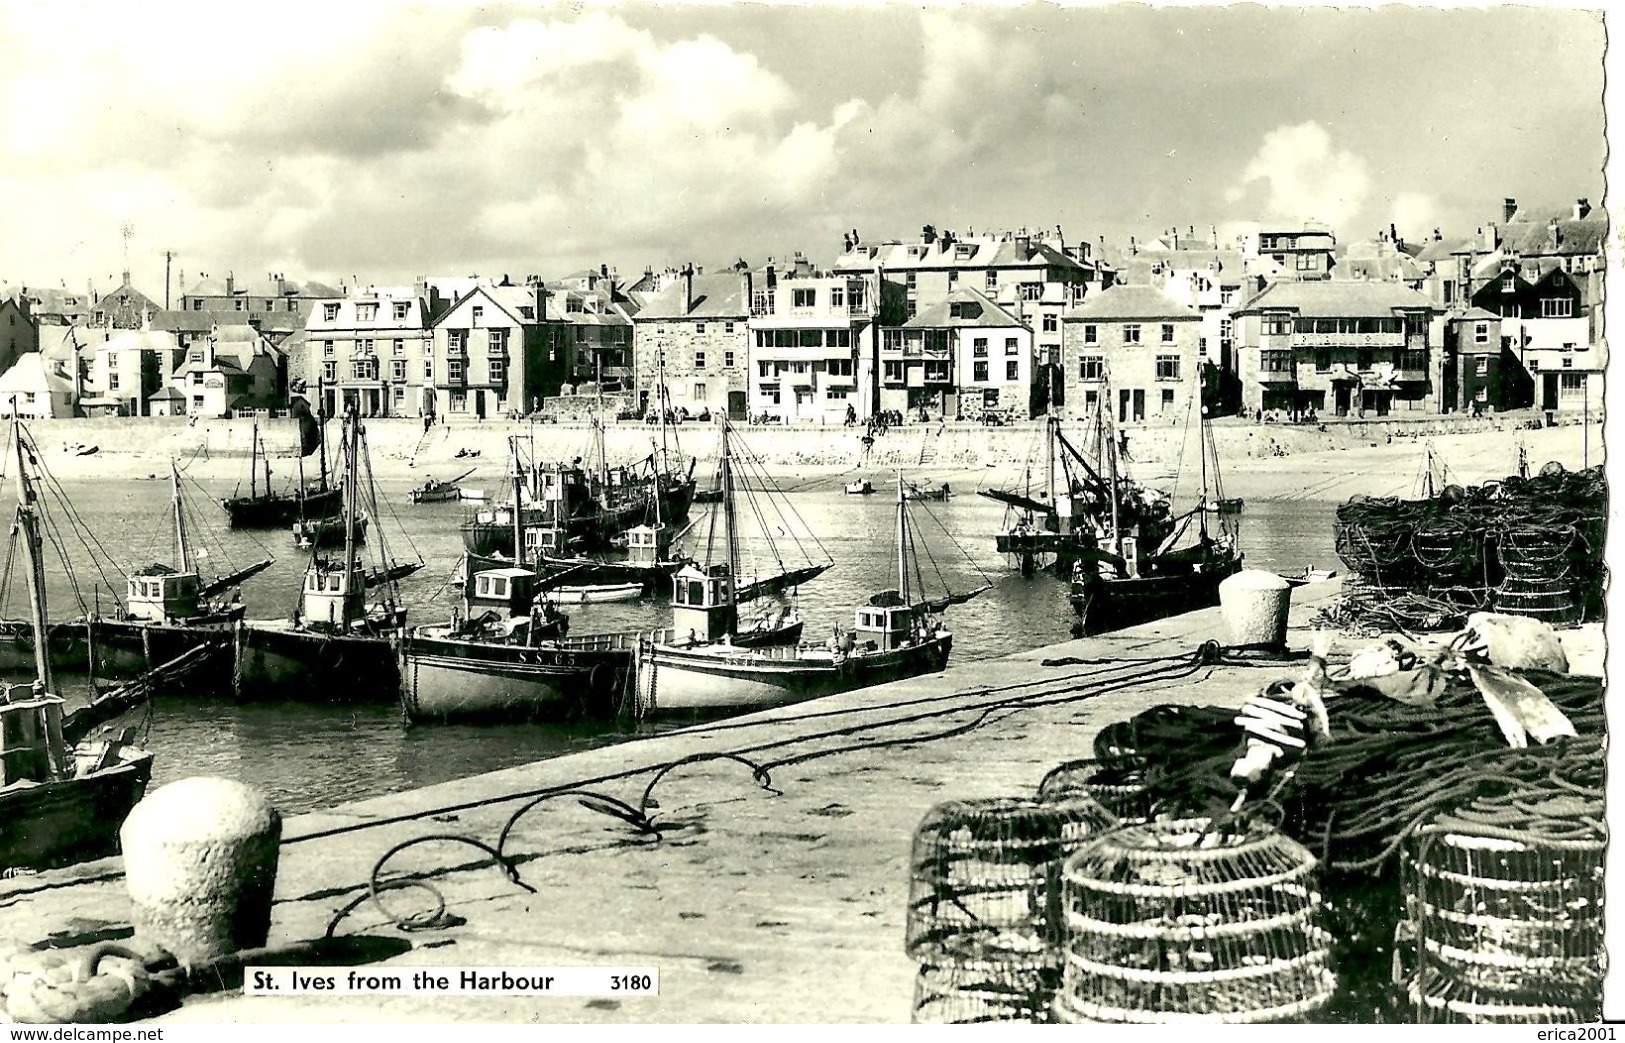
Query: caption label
[453, 981]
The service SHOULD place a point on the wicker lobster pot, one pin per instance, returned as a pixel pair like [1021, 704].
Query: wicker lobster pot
[984, 877]
[1118, 785]
[1169, 922]
[1505, 930]
[974, 991]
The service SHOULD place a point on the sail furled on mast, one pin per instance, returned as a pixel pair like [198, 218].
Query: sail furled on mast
[310, 426]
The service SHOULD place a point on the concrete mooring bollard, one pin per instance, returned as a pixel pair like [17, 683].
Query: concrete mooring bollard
[200, 859]
[1255, 605]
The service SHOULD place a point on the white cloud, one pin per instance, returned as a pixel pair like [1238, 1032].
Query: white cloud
[1306, 178]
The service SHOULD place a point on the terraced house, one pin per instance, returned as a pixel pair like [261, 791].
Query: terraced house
[597, 327]
[1135, 350]
[494, 353]
[965, 357]
[368, 351]
[813, 346]
[1341, 348]
[694, 329]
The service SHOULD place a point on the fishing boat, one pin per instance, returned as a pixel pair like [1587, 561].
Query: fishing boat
[326, 533]
[336, 648]
[592, 593]
[940, 494]
[432, 491]
[895, 635]
[170, 610]
[63, 796]
[1142, 571]
[861, 487]
[269, 509]
[507, 656]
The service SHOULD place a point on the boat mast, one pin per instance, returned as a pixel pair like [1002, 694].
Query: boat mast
[518, 524]
[27, 518]
[181, 562]
[266, 459]
[321, 432]
[1049, 462]
[902, 540]
[664, 454]
[728, 515]
[1201, 442]
[352, 426]
[254, 462]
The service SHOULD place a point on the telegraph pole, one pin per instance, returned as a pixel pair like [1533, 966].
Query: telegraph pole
[169, 255]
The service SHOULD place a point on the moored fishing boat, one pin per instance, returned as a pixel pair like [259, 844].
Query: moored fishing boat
[336, 649]
[895, 635]
[63, 796]
[328, 532]
[270, 509]
[1142, 572]
[432, 491]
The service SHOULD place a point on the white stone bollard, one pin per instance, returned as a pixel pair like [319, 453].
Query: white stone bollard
[200, 859]
[1255, 605]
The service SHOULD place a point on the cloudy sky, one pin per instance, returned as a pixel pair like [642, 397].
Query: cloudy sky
[383, 141]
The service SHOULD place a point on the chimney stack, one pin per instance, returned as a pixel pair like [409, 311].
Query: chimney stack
[688, 288]
[1509, 206]
[1582, 207]
[231, 283]
[928, 235]
[1555, 234]
[746, 287]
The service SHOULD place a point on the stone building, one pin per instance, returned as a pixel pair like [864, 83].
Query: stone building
[368, 349]
[1140, 346]
[696, 330]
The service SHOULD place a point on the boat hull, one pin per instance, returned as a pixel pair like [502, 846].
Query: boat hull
[675, 679]
[128, 649]
[70, 820]
[67, 641]
[267, 512]
[450, 679]
[1103, 604]
[438, 494]
[284, 664]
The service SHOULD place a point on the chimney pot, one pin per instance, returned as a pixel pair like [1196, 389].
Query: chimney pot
[1582, 207]
[1509, 206]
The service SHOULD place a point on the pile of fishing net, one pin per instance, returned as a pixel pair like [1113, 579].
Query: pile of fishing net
[1419, 781]
[1525, 546]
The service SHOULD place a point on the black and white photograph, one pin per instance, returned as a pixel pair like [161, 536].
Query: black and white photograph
[607, 514]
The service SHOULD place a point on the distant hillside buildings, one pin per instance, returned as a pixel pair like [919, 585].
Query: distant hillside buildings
[992, 325]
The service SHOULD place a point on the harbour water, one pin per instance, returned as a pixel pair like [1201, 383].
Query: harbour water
[308, 757]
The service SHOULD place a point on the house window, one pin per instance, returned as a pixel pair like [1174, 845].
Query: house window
[1323, 360]
[241, 304]
[112, 381]
[499, 370]
[397, 370]
[1131, 333]
[1226, 329]
[581, 334]
[699, 327]
[363, 347]
[1364, 358]
[1167, 333]
[197, 400]
[727, 360]
[1573, 381]
[910, 279]
[727, 327]
[1226, 297]
[1556, 308]
[1091, 334]
[806, 298]
[1275, 361]
[1167, 367]
[1050, 323]
[992, 279]
[428, 368]
[366, 313]
[1534, 364]
[979, 348]
[1032, 291]
[1306, 262]
[1483, 367]
[912, 309]
[400, 397]
[1010, 346]
[979, 372]
[1481, 333]
[497, 341]
[1012, 371]
[454, 371]
[330, 372]
[399, 347]
[479, 313]
[699, 391]
[459, 402]
[892, 371]
[836, 393]
[1092, 367]
[699, 360]
[1277, 324]
[327, 347]
[1568, 363]
[400, 309]
[456, 341]
[330, 312]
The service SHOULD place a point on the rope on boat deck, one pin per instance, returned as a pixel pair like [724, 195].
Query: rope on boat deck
[1164, 668]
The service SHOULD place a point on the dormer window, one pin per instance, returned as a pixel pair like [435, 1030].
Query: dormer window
[479, 313]
[400, 310]
[330, 312]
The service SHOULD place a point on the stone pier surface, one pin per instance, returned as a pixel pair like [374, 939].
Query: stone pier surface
[755, 906]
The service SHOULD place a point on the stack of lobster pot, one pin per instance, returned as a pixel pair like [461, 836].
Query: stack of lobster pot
[1182, 921]
[984, 919]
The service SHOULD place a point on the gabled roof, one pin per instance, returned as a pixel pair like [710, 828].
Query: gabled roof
[717, 295]
[165, 393]
[1471, 314]
[1128, 301]
[31, 372]
[1338, 299]
[973, 252]
[1531, 238]
[986, 313]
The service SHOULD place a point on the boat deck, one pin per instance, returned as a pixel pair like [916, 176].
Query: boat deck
[756, 906]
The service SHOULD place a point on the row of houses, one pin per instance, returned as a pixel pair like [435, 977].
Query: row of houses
[1015, 324]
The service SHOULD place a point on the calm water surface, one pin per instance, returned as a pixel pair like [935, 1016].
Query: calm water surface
[309, 757]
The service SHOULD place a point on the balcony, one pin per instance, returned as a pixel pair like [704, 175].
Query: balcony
[1348, 340]
[1277, 376]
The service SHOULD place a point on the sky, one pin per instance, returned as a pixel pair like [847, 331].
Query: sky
[374, 142]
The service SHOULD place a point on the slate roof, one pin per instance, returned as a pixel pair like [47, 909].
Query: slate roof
[941, 314]
[1338, 299]
[1128, 301]
[984, 252]
[718, 295]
